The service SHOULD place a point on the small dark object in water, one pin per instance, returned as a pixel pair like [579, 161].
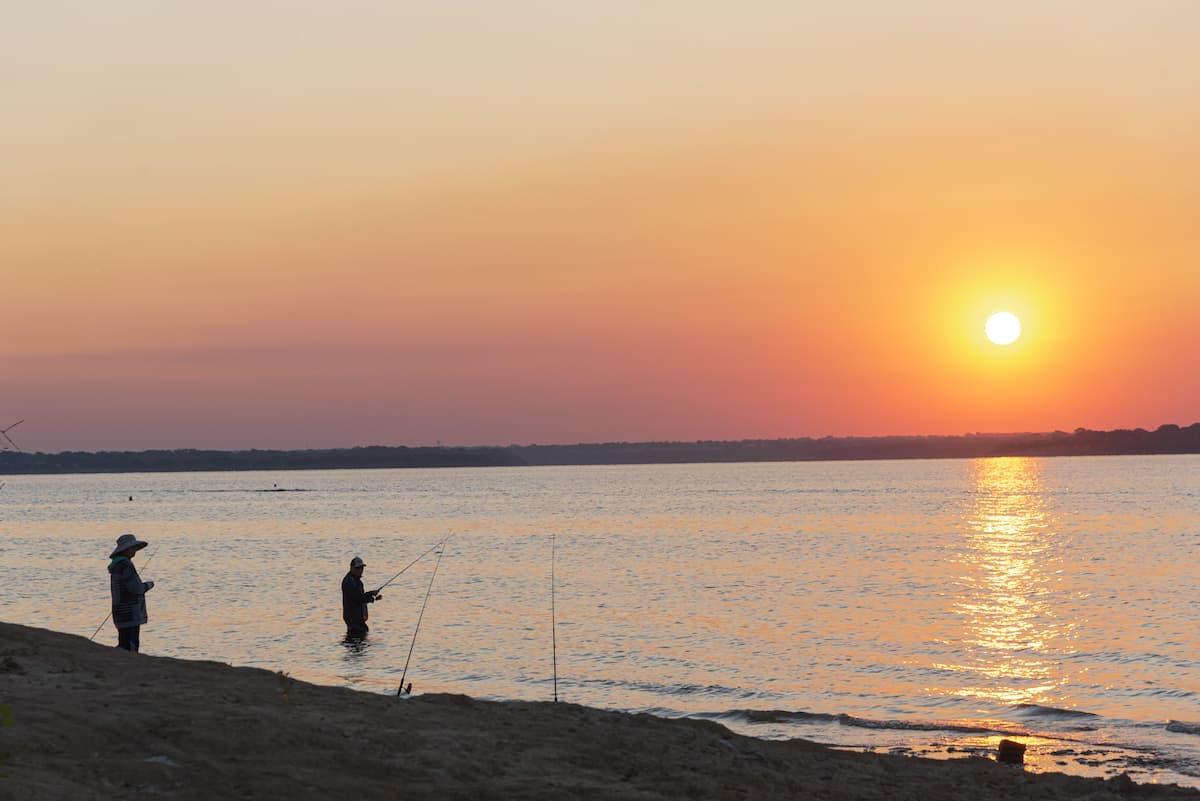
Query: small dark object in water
[1011, 751]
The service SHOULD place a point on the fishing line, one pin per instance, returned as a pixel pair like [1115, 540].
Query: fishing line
[106, 617]
[413, 562]
[553, 624]
[436, 564]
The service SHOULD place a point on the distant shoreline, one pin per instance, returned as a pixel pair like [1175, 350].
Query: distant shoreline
[1166, 439]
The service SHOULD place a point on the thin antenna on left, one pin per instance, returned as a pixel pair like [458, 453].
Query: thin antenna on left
[4, 433]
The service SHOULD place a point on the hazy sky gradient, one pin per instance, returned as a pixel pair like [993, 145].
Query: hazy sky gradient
[291, 224]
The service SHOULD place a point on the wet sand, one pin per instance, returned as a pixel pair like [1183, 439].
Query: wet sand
[86, 721]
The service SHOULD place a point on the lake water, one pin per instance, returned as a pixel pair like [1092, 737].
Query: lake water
[927, 607]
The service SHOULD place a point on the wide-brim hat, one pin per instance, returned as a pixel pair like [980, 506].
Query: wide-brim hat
[124, 543]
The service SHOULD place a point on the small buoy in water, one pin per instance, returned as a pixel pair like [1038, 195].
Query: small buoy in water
[1011, 751]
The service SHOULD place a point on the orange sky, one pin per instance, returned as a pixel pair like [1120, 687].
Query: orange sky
[300, 225]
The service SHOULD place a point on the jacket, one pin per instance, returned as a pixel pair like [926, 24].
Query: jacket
[354, 602]
[128, 594]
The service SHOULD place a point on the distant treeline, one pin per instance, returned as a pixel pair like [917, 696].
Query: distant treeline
[1081, 442]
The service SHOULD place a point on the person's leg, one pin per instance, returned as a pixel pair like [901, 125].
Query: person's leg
[135, 638]
[123, 639]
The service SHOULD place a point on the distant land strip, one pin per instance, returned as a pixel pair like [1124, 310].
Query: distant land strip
[1165, 439]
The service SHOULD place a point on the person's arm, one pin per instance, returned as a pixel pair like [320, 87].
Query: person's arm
[134, 584]
[352, 592]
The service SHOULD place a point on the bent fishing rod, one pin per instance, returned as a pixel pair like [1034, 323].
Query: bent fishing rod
[401, 690]
[106, 617]
[413, 562]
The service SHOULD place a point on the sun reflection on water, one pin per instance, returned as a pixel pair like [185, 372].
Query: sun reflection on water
[1009, 566]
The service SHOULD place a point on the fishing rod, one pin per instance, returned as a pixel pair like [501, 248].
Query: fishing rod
[553, 625]
[13, 445]
[410, 564]
[401, 690]
[106, 617]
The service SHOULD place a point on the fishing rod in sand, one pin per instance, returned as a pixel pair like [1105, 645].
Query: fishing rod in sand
[553, 625]
[106, 617]
[410, 564]
[402, 690]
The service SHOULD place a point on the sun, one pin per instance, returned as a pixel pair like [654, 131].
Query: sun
[1003, 328]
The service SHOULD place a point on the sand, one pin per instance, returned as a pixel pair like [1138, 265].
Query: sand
[86, 721]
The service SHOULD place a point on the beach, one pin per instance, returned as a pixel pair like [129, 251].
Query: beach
[87, 721]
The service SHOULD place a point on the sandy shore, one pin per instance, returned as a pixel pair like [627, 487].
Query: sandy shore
[86, 721]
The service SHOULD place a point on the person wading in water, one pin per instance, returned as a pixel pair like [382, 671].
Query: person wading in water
[355, 600]
[128, 592]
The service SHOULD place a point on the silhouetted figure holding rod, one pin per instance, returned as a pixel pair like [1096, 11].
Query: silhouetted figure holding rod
[355, 600]
[128, 592]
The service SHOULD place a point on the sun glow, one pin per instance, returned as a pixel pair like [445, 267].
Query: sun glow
[1003, 328]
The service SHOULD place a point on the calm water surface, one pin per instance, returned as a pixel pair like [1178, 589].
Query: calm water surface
[928, 607]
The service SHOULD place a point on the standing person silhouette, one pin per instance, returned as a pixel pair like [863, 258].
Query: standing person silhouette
[128, 592]
[355, 600]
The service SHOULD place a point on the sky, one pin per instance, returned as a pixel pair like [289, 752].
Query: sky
[312, 224]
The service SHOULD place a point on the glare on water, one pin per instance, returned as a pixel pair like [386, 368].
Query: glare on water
[1009, 567]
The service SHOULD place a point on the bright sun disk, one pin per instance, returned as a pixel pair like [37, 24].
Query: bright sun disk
[1003, 328]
